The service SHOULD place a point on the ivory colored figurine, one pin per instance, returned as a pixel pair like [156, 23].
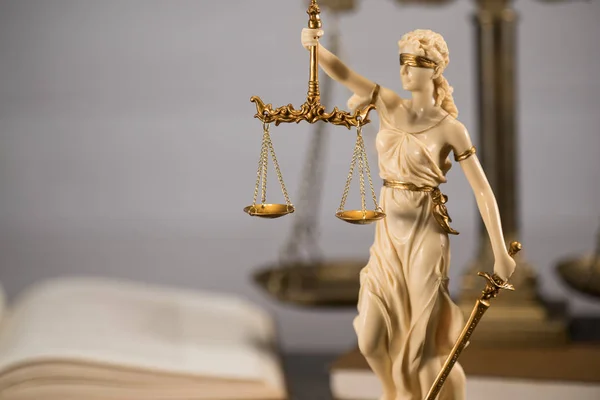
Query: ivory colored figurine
[407, 323]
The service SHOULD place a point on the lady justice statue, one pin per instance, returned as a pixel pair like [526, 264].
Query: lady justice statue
[407, 323]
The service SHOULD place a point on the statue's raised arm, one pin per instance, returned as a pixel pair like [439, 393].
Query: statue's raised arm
[334, 67]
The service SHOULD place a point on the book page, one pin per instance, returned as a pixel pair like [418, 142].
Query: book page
[140, 326]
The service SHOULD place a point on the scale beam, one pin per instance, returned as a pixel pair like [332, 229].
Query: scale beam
[312, 110]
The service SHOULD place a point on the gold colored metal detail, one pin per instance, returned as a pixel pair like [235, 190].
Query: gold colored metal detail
[465, 154]
[362, 216]
[440, 212]
[407, 186]
[268, 210]
[493, 286]
[375, 94]
[314, 19]
[413, 60]
[313, 111]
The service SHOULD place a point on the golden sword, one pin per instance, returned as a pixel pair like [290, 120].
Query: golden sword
[493, 286]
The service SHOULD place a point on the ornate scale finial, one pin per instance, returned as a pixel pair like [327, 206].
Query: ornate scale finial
[314, 20]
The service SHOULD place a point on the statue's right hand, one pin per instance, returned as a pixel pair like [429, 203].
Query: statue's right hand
[310, 37]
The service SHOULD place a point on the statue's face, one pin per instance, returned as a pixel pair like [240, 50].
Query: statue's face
[414, 78]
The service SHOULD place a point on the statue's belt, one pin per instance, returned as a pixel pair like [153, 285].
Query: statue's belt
[440, 212]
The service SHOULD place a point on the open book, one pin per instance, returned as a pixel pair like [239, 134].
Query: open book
[96, 339]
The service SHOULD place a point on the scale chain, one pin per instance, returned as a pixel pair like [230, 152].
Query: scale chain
[265, 164]
[359, 154]
[361, 170]
[350, 174]
[259, 172]
[278, 171]
[369, 177]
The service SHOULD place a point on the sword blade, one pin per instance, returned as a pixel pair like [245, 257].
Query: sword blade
[492, 288]
[480, 308]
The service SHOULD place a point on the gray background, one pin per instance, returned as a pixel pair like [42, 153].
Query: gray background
[128, 147]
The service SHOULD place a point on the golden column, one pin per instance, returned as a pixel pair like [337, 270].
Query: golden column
[521, 317]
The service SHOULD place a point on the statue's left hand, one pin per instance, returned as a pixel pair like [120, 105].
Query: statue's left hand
[504, 266]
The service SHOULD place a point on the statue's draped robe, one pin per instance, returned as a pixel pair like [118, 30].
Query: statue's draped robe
[407, 273]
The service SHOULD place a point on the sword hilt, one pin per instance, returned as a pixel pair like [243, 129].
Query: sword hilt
[514, 248]
[494, 282]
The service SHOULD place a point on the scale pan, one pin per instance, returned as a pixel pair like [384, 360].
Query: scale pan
[581, 274]
[360, 217]
[326, 284]
[269, 210]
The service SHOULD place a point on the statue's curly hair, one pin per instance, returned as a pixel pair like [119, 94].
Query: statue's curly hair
[433, 46]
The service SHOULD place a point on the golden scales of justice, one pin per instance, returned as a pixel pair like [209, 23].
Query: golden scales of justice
[312, 281]
[313, 111]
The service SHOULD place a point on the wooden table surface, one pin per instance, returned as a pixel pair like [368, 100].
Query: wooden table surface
[308, 373]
